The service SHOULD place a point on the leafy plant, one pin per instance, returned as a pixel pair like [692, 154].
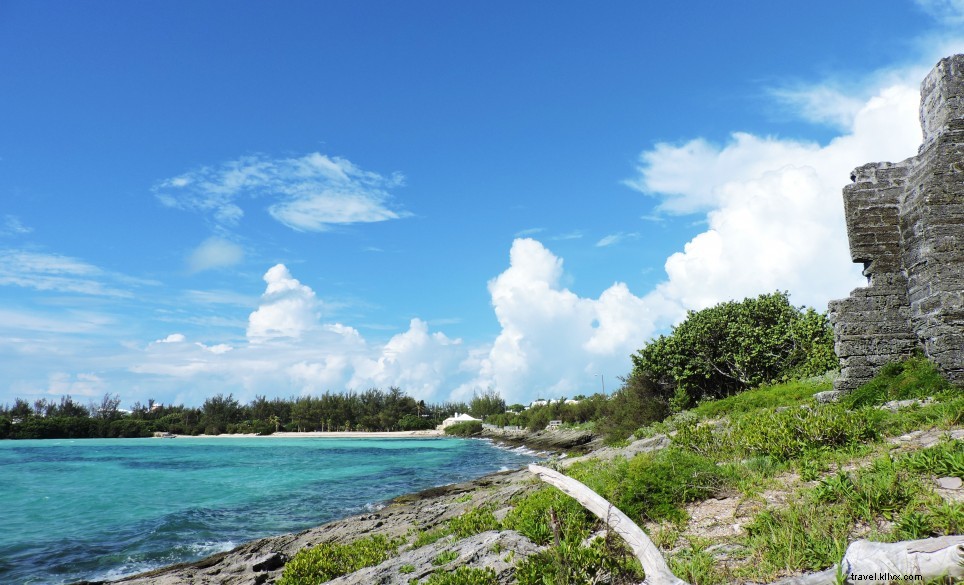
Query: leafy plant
[445, 557]
[329, 560]
[464, 429]
[915, 377]
[944, 459]
[463, 576]
[734, 346]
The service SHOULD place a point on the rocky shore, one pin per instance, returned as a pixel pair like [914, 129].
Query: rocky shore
[262, 561]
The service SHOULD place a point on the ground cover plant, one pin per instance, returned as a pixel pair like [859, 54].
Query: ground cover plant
[331, 559]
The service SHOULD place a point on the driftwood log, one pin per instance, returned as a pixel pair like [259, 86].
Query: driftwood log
[878, 562]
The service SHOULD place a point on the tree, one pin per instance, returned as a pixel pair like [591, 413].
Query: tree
[107, 410]
[486, 403]
[733, 346]
[218, 412]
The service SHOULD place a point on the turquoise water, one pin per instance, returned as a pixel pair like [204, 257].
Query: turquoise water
[104, 508]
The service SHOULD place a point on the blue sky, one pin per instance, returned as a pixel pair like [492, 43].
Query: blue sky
[288, 198]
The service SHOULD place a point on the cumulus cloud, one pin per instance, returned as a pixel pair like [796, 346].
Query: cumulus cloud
[214, 252]
[773, 206]
[310, 193]
[552, 341]
[289, 347]
[288, 308]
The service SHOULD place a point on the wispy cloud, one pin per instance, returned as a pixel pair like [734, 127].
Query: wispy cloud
[53, 272]
[214, 252]
[944, 11]
[310, 193]
[613, 239]
[12, 226]
[573, 235]
[529, 232]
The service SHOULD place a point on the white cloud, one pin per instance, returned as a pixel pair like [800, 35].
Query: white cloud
[310, 193]
[218, 348]
[12, 226]
[54, 272]
[773, 207]
[82, 384]
[288, 347]
[288, 308]
[552, 341]
[948, 12]
[613, 239]
[214, 252]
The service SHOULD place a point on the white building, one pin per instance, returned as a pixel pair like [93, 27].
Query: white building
[458, 418]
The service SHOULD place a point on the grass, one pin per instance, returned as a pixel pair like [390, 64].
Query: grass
[841, 482]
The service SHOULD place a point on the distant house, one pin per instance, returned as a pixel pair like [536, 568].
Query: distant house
[554, 424]
[458, 418]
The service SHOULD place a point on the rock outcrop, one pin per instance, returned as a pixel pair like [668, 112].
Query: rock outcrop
[905, 222]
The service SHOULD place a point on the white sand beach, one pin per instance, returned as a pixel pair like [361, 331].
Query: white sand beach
[429, 434]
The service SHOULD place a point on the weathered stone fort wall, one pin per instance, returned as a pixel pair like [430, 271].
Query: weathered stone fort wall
[905, 222]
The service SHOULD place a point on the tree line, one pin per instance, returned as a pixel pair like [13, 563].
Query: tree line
[713, 353]
[371, 410]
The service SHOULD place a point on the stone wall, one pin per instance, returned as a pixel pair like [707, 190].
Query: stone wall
[905, 222]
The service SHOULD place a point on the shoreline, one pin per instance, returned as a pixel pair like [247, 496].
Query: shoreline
[428, 434]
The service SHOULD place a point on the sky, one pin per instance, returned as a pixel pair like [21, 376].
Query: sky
[283, 199]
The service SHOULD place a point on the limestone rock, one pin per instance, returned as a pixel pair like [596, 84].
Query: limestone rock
[499, 551]
[905, 222]
[950, 483]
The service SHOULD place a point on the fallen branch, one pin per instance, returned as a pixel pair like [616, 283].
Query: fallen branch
[930, 558]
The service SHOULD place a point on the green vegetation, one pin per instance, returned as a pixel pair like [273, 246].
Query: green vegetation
[462, 576]
[464, 429]
[745, 444]
[735, 346]
[912, 378]
[371, 410]
[329, 560]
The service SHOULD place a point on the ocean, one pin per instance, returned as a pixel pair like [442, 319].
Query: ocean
[105, 508]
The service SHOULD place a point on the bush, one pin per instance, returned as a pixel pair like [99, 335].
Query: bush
[734, 346]
[329, 560]
[463, 576]
[915, 377]
[657, 485]
[464, 429]
[787, 434]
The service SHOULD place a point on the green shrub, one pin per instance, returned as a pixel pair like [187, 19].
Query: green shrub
[572, 563]
[944, 459]
[878, 490]
[789, 433]
[475, 521]
[329, 560]
[657, 485]
[464, 429]
[915, 377]
[427, 537]
[445, 557]
[531, 516]
[463, 576]
[735, 346]
[803, 536]
[653, 486]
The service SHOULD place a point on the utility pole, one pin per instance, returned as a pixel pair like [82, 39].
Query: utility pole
[602, 378]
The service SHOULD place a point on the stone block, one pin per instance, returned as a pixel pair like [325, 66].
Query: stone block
[905, 222]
